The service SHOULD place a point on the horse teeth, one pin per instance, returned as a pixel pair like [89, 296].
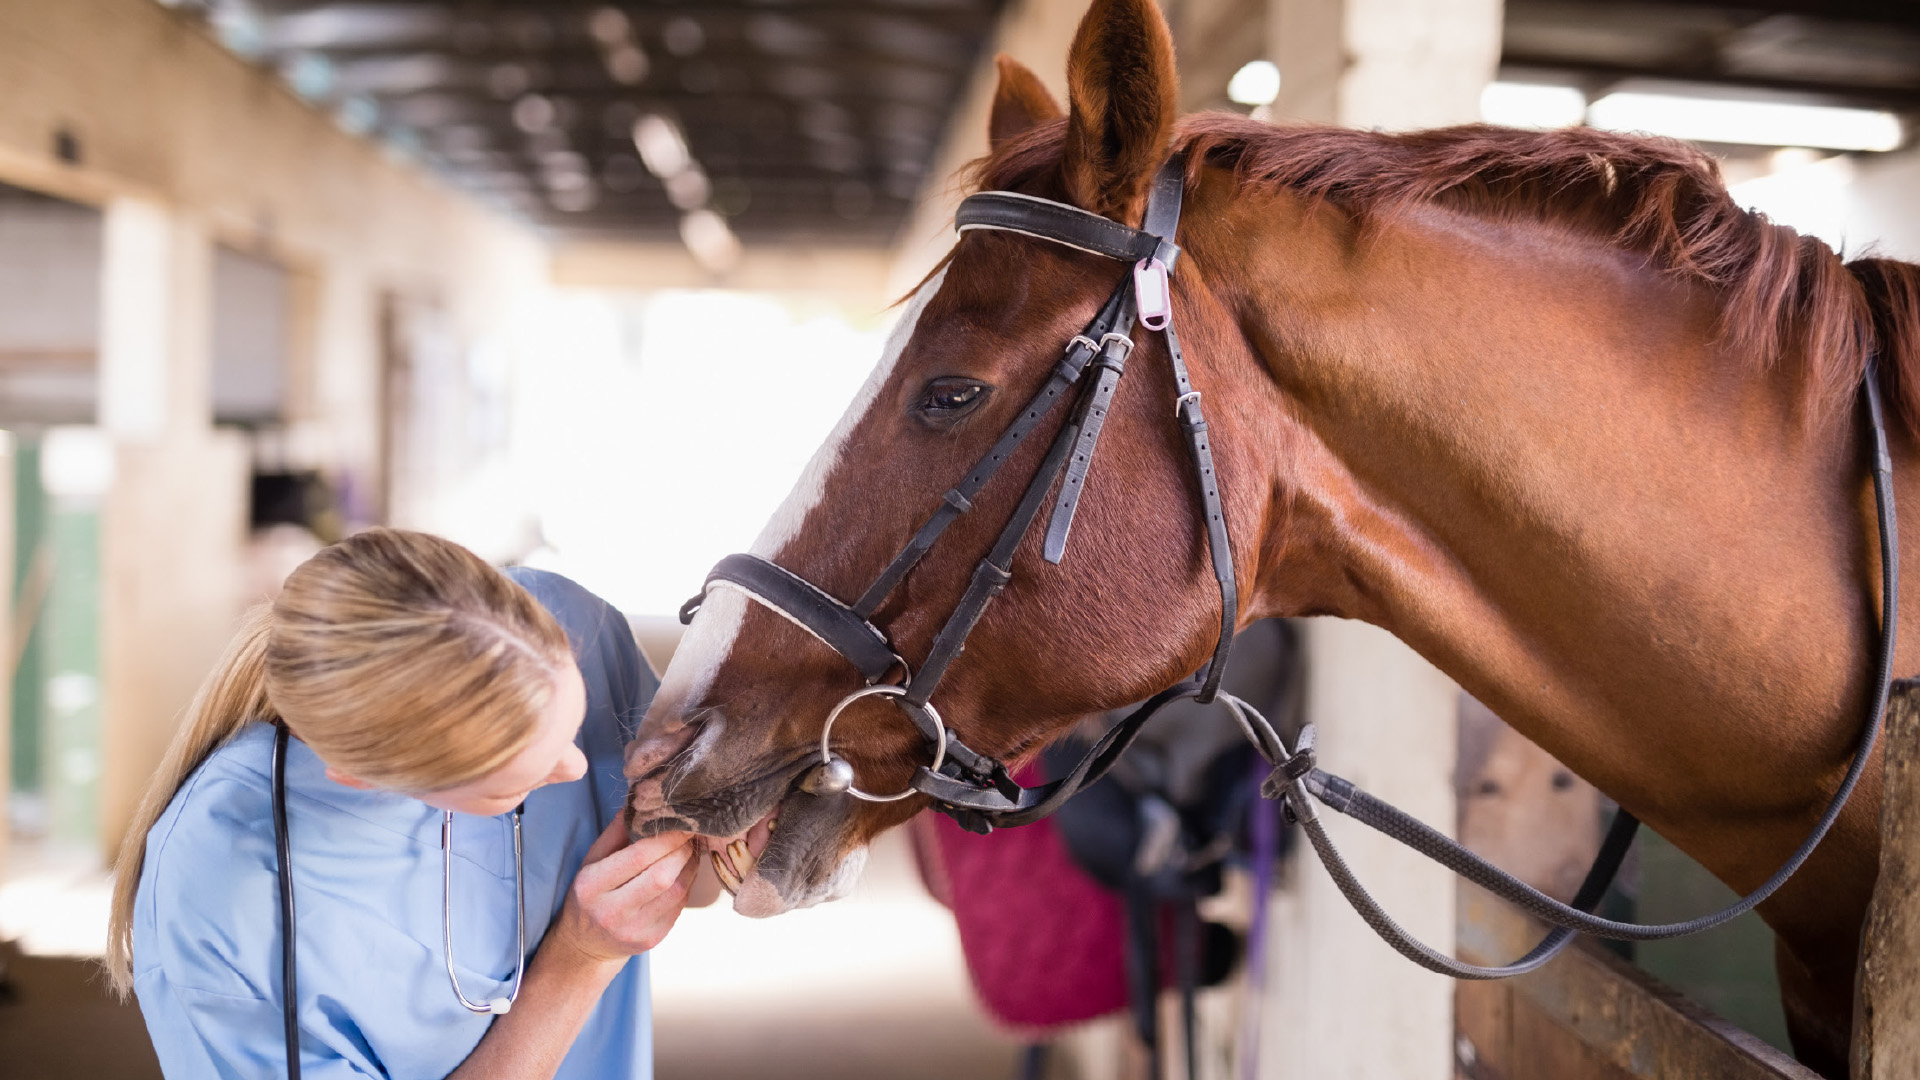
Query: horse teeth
[728, 879]
[741, 856]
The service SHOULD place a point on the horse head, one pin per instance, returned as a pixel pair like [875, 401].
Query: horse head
[1133, 608]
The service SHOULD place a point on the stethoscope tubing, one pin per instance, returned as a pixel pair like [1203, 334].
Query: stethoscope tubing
[284, 871]
[283, 867]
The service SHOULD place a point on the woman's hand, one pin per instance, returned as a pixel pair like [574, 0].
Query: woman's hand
[627, 894]
[623, 901]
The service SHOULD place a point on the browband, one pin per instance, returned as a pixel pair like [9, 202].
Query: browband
[1044, 219]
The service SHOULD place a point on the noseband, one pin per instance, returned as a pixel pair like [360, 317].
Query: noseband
[970, 787]
[976, 791]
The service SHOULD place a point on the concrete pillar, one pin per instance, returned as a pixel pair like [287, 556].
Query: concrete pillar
[171, 518]
[155, 323]
[1342, 1003]
[1037, 33]
[1393, 64]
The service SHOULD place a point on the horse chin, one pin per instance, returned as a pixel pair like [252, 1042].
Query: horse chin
[767, 893]
[810, 858]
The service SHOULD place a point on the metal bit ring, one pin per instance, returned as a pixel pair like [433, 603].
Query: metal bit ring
[884, 690]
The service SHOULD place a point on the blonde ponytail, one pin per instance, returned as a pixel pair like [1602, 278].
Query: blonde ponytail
[233, 693]
[397, 657]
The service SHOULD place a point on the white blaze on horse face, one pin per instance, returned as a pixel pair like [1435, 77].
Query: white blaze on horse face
[711, 638]
[792, 515]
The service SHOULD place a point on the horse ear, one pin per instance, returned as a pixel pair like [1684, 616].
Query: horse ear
[1020, 103]
[1122, 95]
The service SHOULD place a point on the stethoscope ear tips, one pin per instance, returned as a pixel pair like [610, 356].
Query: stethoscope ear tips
[499, 1006]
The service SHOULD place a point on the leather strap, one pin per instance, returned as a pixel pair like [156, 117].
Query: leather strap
[807, 606]
[990, 576]
[1112, 363]
[959, 500]
[1163, 202]
[1213, 513]
[980, 808]
[1059, 223]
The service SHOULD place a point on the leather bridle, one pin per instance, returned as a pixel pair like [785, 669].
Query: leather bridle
[971, 787]
[976, 790]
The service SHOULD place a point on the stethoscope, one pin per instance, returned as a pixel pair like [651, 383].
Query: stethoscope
[497, 1006]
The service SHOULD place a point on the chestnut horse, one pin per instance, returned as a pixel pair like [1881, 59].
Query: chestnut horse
[1549, 407]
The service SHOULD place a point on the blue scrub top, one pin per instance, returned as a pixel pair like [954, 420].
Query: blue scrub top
[374, 999]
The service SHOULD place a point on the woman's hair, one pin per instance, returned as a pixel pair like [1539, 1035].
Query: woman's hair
[400, 658]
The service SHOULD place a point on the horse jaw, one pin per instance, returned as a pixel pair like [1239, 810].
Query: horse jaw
[760, 896]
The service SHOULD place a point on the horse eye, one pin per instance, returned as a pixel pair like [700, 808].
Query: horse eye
[947, 400]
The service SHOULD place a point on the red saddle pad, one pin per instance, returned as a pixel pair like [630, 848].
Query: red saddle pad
[1045, 944]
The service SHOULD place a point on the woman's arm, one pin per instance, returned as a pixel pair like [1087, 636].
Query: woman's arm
[623, 901]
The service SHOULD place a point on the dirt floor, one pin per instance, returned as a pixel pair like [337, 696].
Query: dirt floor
[56, 1023]
[870, 988]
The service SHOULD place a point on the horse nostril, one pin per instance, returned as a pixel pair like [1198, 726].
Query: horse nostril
[651, 754]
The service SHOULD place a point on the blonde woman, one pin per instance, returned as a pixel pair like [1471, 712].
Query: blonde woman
[422, 690]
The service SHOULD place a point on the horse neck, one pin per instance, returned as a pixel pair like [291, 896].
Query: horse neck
[1521, 452]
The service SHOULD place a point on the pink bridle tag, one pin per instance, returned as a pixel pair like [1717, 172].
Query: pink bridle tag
[1151, 293]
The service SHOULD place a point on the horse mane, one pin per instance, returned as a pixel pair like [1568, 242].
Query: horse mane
[1783, 294]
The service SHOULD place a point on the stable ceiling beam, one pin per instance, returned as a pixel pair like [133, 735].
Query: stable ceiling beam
[1597, 76]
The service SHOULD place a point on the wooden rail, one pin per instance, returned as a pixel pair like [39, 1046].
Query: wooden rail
[1590, 1015]
[1886, 1023]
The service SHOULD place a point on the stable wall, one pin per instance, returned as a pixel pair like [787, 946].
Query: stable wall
[49, 307]
[1037, 33]
[184, 146]
[7, 644]
[1882, 205]
[853, 279]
